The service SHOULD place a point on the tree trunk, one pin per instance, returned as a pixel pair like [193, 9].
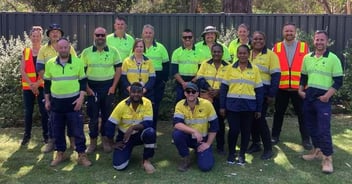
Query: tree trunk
[326, 6]
[348, 7]
[237, 6]
[193, 6]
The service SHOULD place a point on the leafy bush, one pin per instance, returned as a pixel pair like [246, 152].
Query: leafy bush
[11, 109]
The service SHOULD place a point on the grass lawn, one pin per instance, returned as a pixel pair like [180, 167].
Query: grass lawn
[30, 165]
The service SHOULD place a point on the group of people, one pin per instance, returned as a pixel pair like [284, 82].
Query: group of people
[213, 83]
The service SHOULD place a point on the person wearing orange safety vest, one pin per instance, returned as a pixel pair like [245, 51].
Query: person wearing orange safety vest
[32, 86]
[290, 52]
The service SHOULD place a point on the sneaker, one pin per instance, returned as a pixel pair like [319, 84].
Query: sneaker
[25, 141]
[307, 145]
[267, 155]
[241, 160]
[231, 159]
[275, 140]
[254, 148]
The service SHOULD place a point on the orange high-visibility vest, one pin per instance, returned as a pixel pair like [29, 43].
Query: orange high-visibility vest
[29, 69]
[290, 76]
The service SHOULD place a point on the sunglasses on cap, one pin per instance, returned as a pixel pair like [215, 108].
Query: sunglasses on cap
[137, 89]
[191, 91]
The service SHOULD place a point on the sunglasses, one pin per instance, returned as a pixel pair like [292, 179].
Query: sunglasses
[187, 37]
[100, 35]
[191, 91]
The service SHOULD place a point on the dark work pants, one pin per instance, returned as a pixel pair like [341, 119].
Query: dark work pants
[147, 137]
[220, 135]
[281, 102]
[260, 129]
[29, 101]
[74, 123]
[317, 116]
[159, 89]
[239, 122]
[101, 104]
[184, 141]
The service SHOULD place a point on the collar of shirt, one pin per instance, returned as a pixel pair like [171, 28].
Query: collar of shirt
[94, 49]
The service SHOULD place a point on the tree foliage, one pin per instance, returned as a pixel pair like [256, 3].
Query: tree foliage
[80, 5]
[180, 6]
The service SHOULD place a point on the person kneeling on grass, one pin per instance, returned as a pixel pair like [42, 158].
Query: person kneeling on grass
[134, 117]
[196, 123]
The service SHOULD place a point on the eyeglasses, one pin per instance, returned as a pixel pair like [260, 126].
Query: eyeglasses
[187, 37]
[100, 35]
[191, 91]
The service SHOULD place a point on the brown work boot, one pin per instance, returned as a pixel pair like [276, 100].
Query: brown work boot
[315, 153]
[72, 143]
[107, 144]
[92, 146]
[83, 160]
[59, 158]
[184, 164]
[49, 147]
[327, 164]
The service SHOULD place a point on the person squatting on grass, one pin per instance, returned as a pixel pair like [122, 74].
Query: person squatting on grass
[321, 77]
[195, 126]
[65, 87]
[134, 118]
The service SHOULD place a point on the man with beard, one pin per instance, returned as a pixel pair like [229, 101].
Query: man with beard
[103, 68]
[65, 85]
[321, 77]
[45, 53]
[290, 52]
[134, 118]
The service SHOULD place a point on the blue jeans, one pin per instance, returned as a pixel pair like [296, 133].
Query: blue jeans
[29, 100]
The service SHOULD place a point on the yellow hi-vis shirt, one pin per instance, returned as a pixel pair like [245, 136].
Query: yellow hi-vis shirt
[123, 45]
[200, 119]
[206, 51]
[268, 63]
[158, 54]
[100, 65]
[212, 75]
[47, 52]
[137, 73]
[64, 79]
[187, 60]
[125, 116]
